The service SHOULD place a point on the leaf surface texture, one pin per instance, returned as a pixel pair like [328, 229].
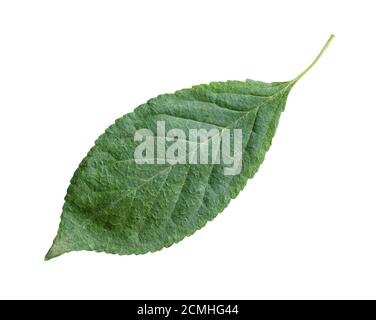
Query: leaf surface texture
[115, 205]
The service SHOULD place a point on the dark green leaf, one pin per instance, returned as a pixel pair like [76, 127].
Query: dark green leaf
[117, 206]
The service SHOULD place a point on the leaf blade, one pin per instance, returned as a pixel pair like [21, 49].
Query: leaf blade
[114, 205]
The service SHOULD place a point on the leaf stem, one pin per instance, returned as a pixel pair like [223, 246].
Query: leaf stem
[314, 61]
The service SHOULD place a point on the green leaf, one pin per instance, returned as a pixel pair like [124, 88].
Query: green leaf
[116, 205]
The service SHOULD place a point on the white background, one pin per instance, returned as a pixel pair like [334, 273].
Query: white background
[304, 227]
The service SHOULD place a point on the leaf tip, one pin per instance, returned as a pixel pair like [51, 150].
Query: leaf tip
[52, 253]
[48, 256]
[57, 249]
